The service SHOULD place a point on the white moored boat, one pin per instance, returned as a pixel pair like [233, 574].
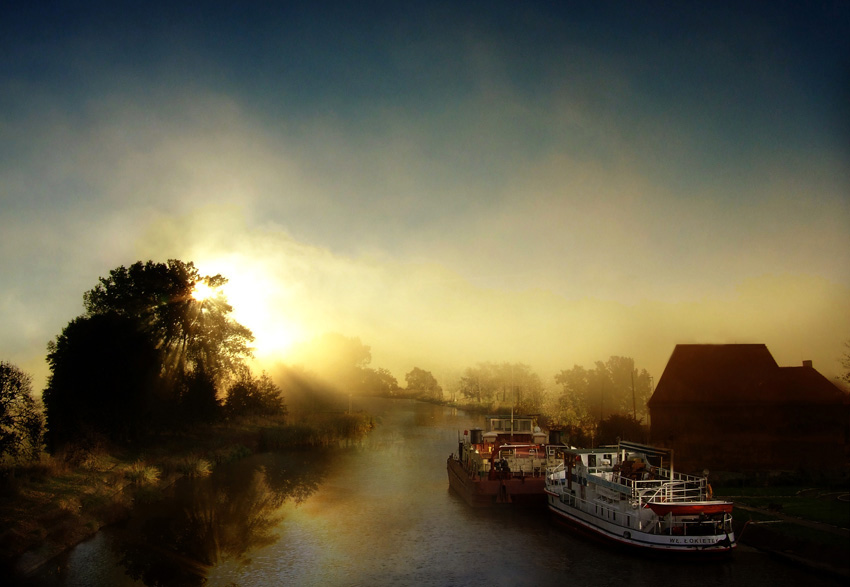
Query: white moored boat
[630, 494]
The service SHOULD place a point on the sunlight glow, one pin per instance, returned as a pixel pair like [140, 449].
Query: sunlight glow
[202, 291]
[261, 302]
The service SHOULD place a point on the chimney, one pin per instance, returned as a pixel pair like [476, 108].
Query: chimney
[807, 363]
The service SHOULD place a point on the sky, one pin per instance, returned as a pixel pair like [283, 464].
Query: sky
[550, 183]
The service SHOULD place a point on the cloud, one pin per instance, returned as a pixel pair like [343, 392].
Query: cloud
[426, 315]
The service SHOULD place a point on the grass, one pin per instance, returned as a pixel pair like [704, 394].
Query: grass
[55, 503]
[816, 504]
[140, 473]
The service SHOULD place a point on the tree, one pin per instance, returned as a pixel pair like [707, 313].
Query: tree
[845, 362]
[154, 348]
[250, 396]
[621, 427]
[21, 420]
[511, 384]
[612, 387]
[573, 402]
[423, 384]
[187, 317]
[379, 382]
[105, 380]
[184, 313]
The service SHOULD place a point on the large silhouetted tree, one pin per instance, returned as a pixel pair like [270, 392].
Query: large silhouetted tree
[194, 333]
[105, 381]
[150, 351]
[21, 419]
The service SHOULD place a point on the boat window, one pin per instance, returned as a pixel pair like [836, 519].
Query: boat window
[591, 460]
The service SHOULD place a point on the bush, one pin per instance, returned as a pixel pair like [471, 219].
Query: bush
[254, 397]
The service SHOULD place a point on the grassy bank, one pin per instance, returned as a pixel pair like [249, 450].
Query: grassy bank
[806, 525]
[49, 506]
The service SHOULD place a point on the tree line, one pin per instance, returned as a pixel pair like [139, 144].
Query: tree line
[156, 350]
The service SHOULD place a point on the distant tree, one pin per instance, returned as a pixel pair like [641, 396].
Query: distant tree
[611, 387]
[21, 419]
[254, 396]
[845, 362]
[422, 384]
[379, 382]
[571, 408]
[524, 387]
[621, 427]
[629, 388]
[510, 384]
[105, 379]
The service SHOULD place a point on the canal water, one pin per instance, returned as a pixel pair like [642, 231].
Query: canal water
[379, 513]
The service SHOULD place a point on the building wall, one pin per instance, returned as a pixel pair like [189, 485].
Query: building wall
[746, 438]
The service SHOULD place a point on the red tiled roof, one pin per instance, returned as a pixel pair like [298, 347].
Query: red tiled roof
[738, 373]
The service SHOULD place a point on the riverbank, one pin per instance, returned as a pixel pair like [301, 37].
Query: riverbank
[50, 506]
[808, 527]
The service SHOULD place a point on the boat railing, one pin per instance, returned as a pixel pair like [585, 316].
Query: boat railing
[553, 476]
[671, 491]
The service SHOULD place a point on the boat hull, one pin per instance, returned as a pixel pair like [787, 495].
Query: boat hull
[693, 508]
[525, 491]
[634, 538]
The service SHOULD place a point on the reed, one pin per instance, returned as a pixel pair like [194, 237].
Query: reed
[140, 473]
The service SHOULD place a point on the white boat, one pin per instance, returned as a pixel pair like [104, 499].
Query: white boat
[630, 494]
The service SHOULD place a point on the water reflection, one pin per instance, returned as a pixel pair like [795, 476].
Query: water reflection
[203, 522]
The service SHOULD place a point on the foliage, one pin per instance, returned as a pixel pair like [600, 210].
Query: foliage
[422, 384]
[249, 396]
[149, 353]
[379, 382]
[21, 419]
[620, 427]
[513, 384]
[193, 335]
[845, 362]
[104, 380]
[612, 387]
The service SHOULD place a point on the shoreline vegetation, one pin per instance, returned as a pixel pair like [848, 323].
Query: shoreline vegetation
[49, 506]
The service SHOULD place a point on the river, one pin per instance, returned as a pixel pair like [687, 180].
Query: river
[379, 513]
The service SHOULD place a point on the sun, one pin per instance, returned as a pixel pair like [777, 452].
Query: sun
[261, 301]
[202, 291]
